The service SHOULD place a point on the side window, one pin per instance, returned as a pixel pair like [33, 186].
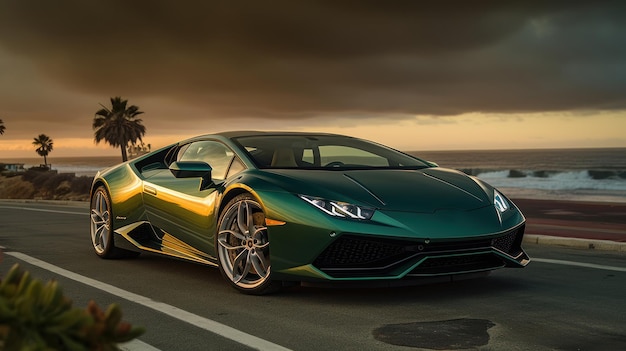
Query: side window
[307, 156]
[216, 154]
[235, 167]
[181, 151]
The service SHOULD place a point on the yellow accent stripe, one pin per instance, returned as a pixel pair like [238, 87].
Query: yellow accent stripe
[272, 222]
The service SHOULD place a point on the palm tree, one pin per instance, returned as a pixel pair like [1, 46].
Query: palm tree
[2, 127]
[118, 126]
[44, 146]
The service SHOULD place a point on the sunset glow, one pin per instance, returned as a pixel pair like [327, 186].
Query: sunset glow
[470, 131]
[497, 77]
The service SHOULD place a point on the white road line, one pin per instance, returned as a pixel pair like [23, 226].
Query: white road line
[172, 311]
[44, 210]
[579, 264]
[137, 345]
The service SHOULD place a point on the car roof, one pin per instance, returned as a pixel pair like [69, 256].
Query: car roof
[244, 133]
[228, 136]
[237, 134]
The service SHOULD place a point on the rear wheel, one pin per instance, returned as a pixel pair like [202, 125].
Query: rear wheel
[243, 247]
[101, 228]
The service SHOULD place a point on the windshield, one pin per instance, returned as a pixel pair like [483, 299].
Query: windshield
[323, 152]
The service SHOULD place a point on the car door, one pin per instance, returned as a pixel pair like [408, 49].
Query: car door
[185, 207]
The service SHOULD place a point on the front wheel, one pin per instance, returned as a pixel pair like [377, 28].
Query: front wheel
[101, 227]
[243, 247]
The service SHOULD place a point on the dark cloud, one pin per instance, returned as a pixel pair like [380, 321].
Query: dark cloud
[296, 59]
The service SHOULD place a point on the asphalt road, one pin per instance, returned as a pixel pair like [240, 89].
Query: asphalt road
[566, 299]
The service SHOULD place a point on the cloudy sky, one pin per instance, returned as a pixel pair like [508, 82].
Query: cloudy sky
[410, 74]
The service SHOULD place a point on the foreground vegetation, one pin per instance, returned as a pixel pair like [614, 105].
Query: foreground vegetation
[37, 316]
[45, 186]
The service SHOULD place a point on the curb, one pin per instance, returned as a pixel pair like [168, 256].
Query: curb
[591, 244]
[52, 202]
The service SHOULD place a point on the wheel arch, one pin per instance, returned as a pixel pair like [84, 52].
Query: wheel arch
[254, 185]
[236, 191]
[97, 183]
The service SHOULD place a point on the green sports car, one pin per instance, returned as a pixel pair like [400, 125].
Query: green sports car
[273, 209]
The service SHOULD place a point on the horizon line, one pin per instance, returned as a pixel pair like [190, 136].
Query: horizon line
[402, 150]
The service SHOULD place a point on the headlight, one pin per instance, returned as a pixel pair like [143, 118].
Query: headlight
[500, 202]
[339, 209]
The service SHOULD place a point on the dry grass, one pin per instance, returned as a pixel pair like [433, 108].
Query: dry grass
[46, 186]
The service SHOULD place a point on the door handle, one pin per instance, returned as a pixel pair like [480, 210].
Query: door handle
[150, 190]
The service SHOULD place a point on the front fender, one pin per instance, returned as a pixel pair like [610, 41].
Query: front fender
[125, 191]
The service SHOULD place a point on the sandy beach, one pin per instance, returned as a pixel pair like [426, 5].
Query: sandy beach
[575, 219]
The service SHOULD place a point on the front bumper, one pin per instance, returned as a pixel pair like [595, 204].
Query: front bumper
[356, 256]
[364, 257]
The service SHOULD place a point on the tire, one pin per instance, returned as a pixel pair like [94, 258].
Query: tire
[243, 247]
[102, 236]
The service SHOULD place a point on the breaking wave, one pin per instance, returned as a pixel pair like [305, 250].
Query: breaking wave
[553, 180]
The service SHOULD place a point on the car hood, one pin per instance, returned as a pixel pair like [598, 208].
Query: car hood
[424, 190]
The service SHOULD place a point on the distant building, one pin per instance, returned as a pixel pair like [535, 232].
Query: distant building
[11, 168]
[134, 150]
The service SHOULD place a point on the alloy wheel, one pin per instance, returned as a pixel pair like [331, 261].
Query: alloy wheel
[243, 245]
[100, 221]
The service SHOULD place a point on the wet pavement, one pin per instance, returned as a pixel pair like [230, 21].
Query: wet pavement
[452, 334]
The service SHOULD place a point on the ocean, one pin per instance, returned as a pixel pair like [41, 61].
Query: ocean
[565, 174]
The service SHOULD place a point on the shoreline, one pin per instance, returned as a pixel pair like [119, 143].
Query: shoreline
[580, 195]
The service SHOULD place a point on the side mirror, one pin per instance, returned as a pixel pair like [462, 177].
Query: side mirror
[192, 169]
